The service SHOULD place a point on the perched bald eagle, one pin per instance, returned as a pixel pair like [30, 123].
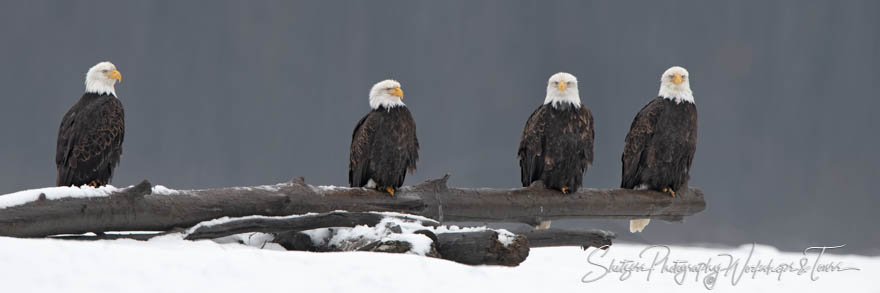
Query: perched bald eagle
[662, 140]
[384, 144]
[91, 133]
[557, 142]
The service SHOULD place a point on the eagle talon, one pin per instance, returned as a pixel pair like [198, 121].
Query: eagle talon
[564, 189]
[669, 190]
[389, 190]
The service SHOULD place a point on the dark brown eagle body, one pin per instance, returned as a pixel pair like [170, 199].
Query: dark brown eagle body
[660, 146]
[90, 141]
[383, 147]
[557, 146]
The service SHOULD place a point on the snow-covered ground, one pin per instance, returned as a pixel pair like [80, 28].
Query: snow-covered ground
[169, 264]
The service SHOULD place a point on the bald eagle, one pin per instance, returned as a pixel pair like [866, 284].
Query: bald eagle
[662, 140]
[384, 144]
[557, 142]
[91, 133]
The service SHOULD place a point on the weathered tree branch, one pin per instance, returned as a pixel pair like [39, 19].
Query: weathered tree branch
[136, 209]
[292, 224]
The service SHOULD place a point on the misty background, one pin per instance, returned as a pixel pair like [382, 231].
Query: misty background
[232, 93]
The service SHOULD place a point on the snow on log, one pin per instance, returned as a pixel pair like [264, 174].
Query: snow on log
[471, 245]
[225, 226]
[147, 208]
[376, 232]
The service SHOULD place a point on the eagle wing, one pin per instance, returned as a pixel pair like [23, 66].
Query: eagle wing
[587, 136]
[531, 148]
[634, 152]
[409, 140]
[358, 160]
[90, 142]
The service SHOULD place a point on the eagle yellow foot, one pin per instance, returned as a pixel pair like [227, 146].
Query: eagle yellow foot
[564, 189]
[389, 190]
[669, 190]
[95, 183]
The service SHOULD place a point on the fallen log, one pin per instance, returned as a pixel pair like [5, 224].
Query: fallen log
[482, 248]
[141, 209]
[467, 246]
[472, 248]
[584, 239]
[208, 230]
[295, 240]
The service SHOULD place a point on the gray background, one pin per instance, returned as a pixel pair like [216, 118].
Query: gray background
[240, 93]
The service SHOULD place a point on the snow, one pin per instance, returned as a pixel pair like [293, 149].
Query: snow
[325, 188]
[255, 239]
[162, 190]
[505, 237]
[359, 236]
[53, 193]
[407, 216]
[355, 237]
[454, 228]
[270, 188]
[170, 264]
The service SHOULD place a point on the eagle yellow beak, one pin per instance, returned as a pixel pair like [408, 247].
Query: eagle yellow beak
[562, 86]
[398, 93]
[676, 79]
[115, 75]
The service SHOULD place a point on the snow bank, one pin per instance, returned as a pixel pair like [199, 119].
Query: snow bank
[170, 264]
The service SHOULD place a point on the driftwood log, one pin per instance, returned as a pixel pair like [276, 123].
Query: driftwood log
[137, 209]
[292, 224]
[584, 239]
[287, 231]
[481, 248]
[472, 248]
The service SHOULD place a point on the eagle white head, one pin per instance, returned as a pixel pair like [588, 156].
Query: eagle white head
[562, 88]
[386, 93]
[102, 78]
[675, 84]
